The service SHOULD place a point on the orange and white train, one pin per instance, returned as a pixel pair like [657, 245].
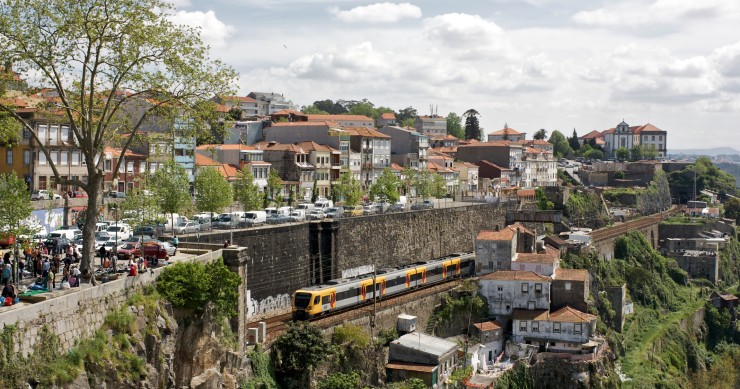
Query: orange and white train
[345, 292]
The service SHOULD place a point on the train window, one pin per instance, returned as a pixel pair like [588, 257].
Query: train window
[451, 269]
[316, 300]
[302, 300]
[325, 300]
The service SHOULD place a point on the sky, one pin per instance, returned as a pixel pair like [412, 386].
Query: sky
[530, 64]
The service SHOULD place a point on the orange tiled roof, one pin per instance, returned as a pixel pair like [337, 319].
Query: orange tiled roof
[317, 117]
[313, 146]
[365, 132]
[514, 275]
[571, 274]
[497, 143]
[530, 314]
[571, 315]
[444, 150]
[488, 326]
[202, 160]
[387, 115]
[229, 171]
[241, 99]
[506, 131]
[647, 128]
[287, 147]
[296, 124]
[395, 166]
[504, 234]
[116, 152]
[535, 258]
[525, 193]
[234, 146]
[592, 135]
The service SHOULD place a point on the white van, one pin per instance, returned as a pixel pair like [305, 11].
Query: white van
[270, 211]
[305, 207]
[121, 231]
[69, 234]
[253, 218]
[228, 220]
[323, 203]
[284, 211]
[298, 215]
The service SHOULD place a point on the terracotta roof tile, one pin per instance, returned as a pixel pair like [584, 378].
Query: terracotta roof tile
[365, 132]
[410, 367]
[202, 160]
[497, 143]
[506, 131]
[571, 274]
[571, 315]
[530, 314]
[296, 124]
[488, 326]
[535, 258]
[515, 275]
[313, 146]
[505, 233]
[321, 118]
[241, 99]
[387, 115]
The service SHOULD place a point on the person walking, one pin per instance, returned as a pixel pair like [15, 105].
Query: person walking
[6, 274]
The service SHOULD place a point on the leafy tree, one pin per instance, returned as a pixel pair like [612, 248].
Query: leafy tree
[212, 192]
[193, 284]
[542, 202]
[10, 128]
[235, 113]
[622, 153]
[636, 153]
[364, 108]
[314, 191]
[246, 191]
[407, 179]
[573, 141]
[424, 183]
[297, 352]
[650, 152]
[405, 114]
[732, 209]
[386, 187]
[454, 126]
[348, 189]
[540, 134]
[313, 110]
[170, 187]
[115, 66]
[439, 186]
[140, 206]
[351, 346]
[411, 383]
[561, 148]
[15, 207]
[341, 381]
[409, 122]
[594, 154]
[472, 128]
[274, 183]
[619, 175]
[708, 176]
[330, 107]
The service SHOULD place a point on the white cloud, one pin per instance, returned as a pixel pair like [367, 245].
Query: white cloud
[179, 4]
[634, 16]
[468, 36]
[353, 63]
[213, 31]
[727, 60]
[378, 13]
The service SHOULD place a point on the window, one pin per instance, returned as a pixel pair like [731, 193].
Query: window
[42, 132]
[108, 165]
[538, 288]
[316, 300]
[53, 134]
[556, 328]
[500, 288]
[42, 160]
[142, 167]
[525, 288]
[26, 133]
[26, 157]
[63, 158]
[65, 133]
[567, 286]
[522, 326]
[9, 156]
[535, 326]
[660, 137]
[653, 139]
[577, 328]
[130, 167]
[75, 158]
[54, 157]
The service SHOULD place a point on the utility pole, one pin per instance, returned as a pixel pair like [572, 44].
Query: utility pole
[375, 291]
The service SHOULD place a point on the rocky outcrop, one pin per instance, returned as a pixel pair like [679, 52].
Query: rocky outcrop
[563, 373]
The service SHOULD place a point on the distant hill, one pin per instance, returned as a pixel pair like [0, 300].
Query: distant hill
[732, 168]
[713, 152]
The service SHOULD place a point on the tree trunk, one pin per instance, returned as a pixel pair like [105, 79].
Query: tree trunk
[95, 196]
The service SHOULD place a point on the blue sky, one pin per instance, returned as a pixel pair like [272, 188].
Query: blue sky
[528, 63]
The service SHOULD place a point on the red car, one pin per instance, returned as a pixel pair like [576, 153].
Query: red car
[130, 250]
[155, 249]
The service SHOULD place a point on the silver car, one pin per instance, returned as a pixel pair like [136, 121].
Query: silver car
[187, 228]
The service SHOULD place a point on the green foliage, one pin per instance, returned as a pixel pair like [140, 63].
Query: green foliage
[594, 154]
[729, 266]
[10, 128]
[409, 122]
[246, 191]
[622, 153]
[170, 187]
[424, 183]
[411, 383]
[619, 175]
[348, 190]
[387, 335]
[723, 370]
[459, 309]
[439, 186]
[121, 321]
[708, 176]
[314, 191]
[191, 285]
[516, 378]
[386, 187]
[636, 153]
[656, 197]
[459, 375]
[573, 142]
[719, 325]
[263, 372]
[313, 110]
[585, 209]
[341, 381]
[406, 116]
[212, 191]
[15, 203]
[454, 126]
[140, 207]
[543, 203]
[297, 352]
[274, 183]
[541, 134]
[329, 107]
[561, 148]
[472, 127]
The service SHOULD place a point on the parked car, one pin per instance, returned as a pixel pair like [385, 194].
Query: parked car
[277, 219]
[56, 244]
[44, 194]
[397, 208]
[315, 214]
[160, 250]
[103, 239]
[253, 218]
[187, 228]
[334, 212]
[149, 231]
[121, 231]
[129, 250]
[298, 215]
[68, 233]
[77, 193]
[204, 221]
[370, 209]
[117, 195]
[353, 210]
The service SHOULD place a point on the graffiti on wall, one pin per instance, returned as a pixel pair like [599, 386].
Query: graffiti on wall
[269, 306]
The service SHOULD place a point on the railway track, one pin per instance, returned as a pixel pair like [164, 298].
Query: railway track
[276, 325]
[621, 229]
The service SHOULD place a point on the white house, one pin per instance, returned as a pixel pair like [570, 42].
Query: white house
[565, 330]
[490, 336]
[543, 264]
[508, 290]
